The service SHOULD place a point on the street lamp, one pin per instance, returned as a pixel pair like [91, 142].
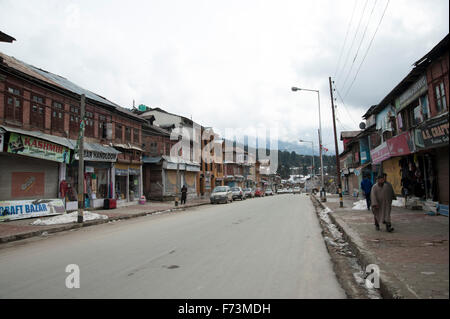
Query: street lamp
[312, 160]
[322, 192]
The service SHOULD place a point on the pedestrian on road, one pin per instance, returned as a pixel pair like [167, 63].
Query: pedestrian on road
[183, 194]
[366, 186]
[382, 195]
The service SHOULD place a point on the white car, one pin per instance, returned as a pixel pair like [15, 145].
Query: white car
[221, 194]
[296, 190]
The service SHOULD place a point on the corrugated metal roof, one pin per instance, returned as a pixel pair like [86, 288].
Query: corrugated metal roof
[60, 82]
[95, 147]
[6, 38]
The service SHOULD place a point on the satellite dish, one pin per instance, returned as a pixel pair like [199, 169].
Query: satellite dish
[362, 125]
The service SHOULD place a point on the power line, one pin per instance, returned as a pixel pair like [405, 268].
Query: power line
[368, 48]
[360, 44]
[345, 40]
[345, 107]
[356, 33]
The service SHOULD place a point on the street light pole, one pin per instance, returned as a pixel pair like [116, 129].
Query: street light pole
[322, 192]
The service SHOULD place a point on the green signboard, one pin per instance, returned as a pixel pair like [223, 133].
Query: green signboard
[31, 146]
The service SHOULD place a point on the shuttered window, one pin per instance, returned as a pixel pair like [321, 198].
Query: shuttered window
[57, 116]
[37, 111]
[13, 104]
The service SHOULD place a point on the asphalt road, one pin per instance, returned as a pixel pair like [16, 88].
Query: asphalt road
[260, 248]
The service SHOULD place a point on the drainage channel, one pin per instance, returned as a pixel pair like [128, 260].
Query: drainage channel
[349, 272]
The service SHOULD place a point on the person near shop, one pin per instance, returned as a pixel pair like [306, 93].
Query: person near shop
[183, 194]
[366, 186]
[382, 195]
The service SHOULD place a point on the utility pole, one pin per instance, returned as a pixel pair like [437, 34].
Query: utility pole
[338, 166]
[81, 161]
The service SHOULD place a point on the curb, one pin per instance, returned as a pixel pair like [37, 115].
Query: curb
[42, 232]
[390, 286]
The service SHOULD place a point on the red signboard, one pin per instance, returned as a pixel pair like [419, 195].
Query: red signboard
[27, 184]
[380, 153]
[401, 145]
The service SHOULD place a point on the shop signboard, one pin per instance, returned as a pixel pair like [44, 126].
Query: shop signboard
[10, 210]
[412, 93]
[34, 147]
[434, 133]
[364, 150]
[95, 156]
[401, 145]
[380, 153]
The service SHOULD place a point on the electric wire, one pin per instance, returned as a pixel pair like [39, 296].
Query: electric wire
[367, 51]
[356, 33]
[360, 44]
[345, 40]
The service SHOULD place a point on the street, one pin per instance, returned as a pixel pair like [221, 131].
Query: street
[267, 247]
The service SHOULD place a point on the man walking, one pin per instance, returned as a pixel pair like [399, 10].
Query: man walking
[183, 194]
[366, 186]
[382, 195]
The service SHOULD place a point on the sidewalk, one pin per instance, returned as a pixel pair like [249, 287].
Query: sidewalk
[413, 260]
[22, 228]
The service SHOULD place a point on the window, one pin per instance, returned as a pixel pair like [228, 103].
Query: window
[153, 148]
[127, 134]
[74, 124]
[89, 128]
[118, 132]
[57, 116]
[167, 152]
[102, 126]
[135, 136]
[37, 114]
[13, 105]
[441, 103]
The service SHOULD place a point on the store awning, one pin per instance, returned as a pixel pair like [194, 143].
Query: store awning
[151, 160]
[128, 146]
[51, 138]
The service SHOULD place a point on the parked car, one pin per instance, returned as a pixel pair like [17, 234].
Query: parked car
[268, 192]
[221, 194]
[259, 192]
[237, 193]
[249, 193]
[296, 190]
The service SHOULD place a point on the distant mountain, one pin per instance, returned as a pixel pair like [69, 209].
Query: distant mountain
[300, 148]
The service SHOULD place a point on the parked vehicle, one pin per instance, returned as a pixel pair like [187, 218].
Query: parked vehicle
[259, 192]
[221, 194]
[296, 190]
[237, 193]
[268, 192]
[249, 193]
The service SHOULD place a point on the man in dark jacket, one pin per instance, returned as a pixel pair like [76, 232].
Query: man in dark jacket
[366, 186]
[183, 194]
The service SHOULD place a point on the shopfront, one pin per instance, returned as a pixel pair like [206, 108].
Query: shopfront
[432, 143]
[98, 176]
[32, 167]
[128, 182]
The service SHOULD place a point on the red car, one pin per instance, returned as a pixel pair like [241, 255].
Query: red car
[259, 192]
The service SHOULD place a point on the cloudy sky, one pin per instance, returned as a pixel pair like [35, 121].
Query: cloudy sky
[231, 64]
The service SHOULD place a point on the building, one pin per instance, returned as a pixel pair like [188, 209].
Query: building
[184, 165]
[406, 135]
[350, 161]
[40, 124]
